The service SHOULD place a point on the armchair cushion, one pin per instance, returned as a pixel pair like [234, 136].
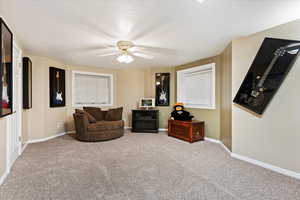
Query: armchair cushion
[106, 125]
[114, 114]
[95, 112]
[89, 116]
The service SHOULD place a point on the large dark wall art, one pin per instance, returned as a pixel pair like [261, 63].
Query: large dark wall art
[271, 65]
[162, 90]
[27, 83]
[57, 87]
[6, 69]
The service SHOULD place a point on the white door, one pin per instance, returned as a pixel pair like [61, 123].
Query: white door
[14, 121]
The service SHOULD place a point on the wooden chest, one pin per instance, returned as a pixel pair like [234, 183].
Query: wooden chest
[190, 131]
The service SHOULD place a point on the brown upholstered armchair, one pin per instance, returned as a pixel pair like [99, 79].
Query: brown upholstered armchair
[90, 127]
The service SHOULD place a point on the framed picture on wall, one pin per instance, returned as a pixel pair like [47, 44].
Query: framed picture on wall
[27, 83]
[271, 65]
[57, 87]
[6, 69]
[162, 89]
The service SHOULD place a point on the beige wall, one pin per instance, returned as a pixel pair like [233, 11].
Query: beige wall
[42, 121]
[211, 117]
[130, 89]
[226, 97]
[273, 138]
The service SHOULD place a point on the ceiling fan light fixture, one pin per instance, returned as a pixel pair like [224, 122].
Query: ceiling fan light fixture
[125, 58]
[200, 1]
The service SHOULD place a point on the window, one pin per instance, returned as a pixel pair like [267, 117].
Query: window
[92, 89]
[196, 87]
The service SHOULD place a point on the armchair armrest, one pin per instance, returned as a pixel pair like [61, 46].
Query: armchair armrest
[81, 123]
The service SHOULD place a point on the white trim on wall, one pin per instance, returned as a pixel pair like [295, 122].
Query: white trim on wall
[24, 147]
[160, 129]
[20, 95]
[212, 140]
[267, 166]
[257, 162]
[48, 138]
[3, 177]
[7, 144]
[233, 155]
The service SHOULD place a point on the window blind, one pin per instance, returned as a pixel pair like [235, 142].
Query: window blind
[196, 86]
[92, 89]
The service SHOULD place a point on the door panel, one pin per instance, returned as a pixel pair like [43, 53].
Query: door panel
[14, 120]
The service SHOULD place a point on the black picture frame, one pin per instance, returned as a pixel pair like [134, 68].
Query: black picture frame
[6, 70]
[162, 89]
[27, 83]
[270, 67]
[57, 87]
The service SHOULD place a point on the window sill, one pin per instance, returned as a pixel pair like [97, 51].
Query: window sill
[91, 105]
[200, 107]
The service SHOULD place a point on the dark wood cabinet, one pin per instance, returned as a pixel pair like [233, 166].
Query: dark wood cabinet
[145, 121]
[190, 131]
[27, 83]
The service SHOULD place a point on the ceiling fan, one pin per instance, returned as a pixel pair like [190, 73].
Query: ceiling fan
[127, 50]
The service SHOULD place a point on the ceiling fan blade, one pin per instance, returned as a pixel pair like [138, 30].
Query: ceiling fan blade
[133, 49]
[109, 54]
[157, 49]
[142, 55]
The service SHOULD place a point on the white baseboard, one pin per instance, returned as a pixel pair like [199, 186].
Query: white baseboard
[267, 166]
[163, 129]
[233, 155]
[160, 129]
[218, 142]
[226, 148]
[48, 138]
[3, 177]
[24, 147]
[256, 162]
[212, 140]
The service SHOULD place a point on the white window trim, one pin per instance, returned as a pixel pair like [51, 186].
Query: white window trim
[200, 69]
[74, 105]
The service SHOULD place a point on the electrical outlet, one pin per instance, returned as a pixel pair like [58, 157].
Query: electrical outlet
[59, 125]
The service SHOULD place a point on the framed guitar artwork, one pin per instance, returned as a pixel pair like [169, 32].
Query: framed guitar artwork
[271, 65]
[6, 69]
[162, 89]
[57, 87]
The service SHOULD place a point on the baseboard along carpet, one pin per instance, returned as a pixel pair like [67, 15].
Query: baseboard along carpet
[140, 166]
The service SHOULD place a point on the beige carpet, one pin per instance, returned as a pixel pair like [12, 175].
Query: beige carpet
[140, 167]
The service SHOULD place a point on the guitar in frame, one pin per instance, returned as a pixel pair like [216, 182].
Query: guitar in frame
[259, 86]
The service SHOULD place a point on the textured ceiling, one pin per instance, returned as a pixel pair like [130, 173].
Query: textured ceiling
[179, 31]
